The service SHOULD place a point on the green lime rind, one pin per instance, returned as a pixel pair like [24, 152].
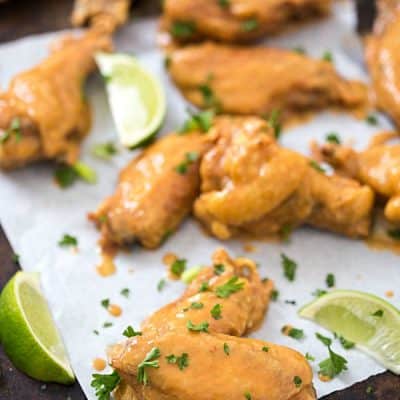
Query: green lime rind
[370, 322]
[136, 97]
[24, 315]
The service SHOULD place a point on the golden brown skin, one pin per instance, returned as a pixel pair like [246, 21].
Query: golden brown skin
[257, 81]
[152, 198]
[211, 373]
[383, 58]
[252, 185]
[48, 104]
[239, 20]
[377, 167]
[107, 14]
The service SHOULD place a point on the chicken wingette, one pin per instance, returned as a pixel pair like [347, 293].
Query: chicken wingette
[378, 167]
[107, 14]
[383, 58]
[197, 352]
[44, 114]
[252, 185]
[155, 191]
[258, 81]
[236, 20]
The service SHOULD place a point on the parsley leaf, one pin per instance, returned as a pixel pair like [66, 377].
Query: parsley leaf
[316, 166]
[330, 280]
[227, 350]
[265, 349]
[183, 29]
[125, 292]
[216, 311]
[333, 365]
[105, 384]
[14, 129]
[130, 332]
[150, 361]
[196, 306]
[378, 313]
[181, 361]
[190, 158]
[15, 258]
[66, 175]
[178, 267]
[346, 343]
[327, 56]
[274, 122]
[372, 120]
[104, 151]
[161, 284]
[68, 241]
[202, 327]
[224, 3]
[219, 269]
[297, 381]
[333, 137]
[274, 295]
[309, 357]
[319, 292]
[289, 267]
[230, 287]
[201, 121]
[247, 396]
[204, 287]
[293, 332]
[105, 303]
[250, 25]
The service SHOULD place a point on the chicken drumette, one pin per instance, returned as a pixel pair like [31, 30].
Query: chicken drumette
[44, 114]
[383, 58]
[236, 20]
[250, 184]
[257, 81]
[214, 354]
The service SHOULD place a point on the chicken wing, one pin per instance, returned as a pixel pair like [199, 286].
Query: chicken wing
[383, 58]
[378, 167]
[250, 184]
[217, 364]
[155, 191]
[43, 114]
[106, 14]
[236, 20]
[257, 81]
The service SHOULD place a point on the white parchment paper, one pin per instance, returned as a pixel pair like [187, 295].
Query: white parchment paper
[35, 214]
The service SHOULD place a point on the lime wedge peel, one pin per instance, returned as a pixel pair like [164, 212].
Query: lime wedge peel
[28, 333]
[137, 99]
[370, 322]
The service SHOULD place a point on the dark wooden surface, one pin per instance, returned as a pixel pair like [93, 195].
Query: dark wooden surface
[19, 18]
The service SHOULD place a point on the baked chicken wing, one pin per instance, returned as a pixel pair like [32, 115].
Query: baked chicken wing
[250, 184]
[106, 14]
[383, 58]
[155, 191]
[257, 81]
[236, 20]
[377, 167]
[217, 364]
[44, 114]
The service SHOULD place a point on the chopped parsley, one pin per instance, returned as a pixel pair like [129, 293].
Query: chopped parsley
[333, 137]
[285, 232]
[68, 241]
[289, 267]
[394, 233]
[125, 292]
[274, 122]
[227, 350]
[327, 56]
[66, 175]
[178, 267]
[378, 313]
[104, 151]
[15, 258]
[201, 121]
[130, 332]
[316, 166]
[167, 62]
[196, 306]
[96, 332]
[297, 381]
[14, 129]
[150, 361]
[107, 324]
[224, 3]
[346, 343]
[105, 384]
[204, 287]
[190, 158]
[334, 364]
[265, 349]
[209, 98]
[183, 29]
[274, 295]
[105, 303]
[319, 292]
[309, 357]
[216, 312]
[202, 327]
[250, 25]
[293, 332]
[330, 280]
[219, 269]
[247, 396]
[161, 284]
[181, 361]
[299, 50]
[371, 120]
[230, 287]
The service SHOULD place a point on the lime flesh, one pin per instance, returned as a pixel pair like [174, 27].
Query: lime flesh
[28, 334]
[370, 322]
[136, 98]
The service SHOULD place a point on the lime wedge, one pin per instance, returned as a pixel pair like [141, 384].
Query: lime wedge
[369, 321]
[28, 333]
[136, 98]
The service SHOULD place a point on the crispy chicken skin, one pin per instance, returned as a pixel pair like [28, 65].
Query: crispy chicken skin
[252, 185]
[238, 20]
[211, 373]
[152, 197]
[256, 81]
[43, 114]
[383, 58]
[377, 166]
[107, 14]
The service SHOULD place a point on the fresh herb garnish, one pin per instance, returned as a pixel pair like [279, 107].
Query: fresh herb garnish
[378, 313]
[230, 287]
[150, 361]
[289, 267]
[202, 327]
[67, 175]
[105, 384]
[285, 232]
[161, 284]
[96, 332]
[371, 120]
[227, 350]
[107, 324]
[224, 3]
[274, 295]
[190, 158]
[216, 312]
[219, 269]
[333, 137]
[346, 343]
[297, 381]
[319, 292]
[334, 364]
[125, 292]
[196, 306]
[183, 29]
[265, 349]
[309, 357]
[14, 129]
[15, 258]
[182, 361]
[327, 56]
[274, 122]
[104, 150]
[204, 287]
[293, 332]
[130, 332]
[178, 267]
[250, 25]
[247, 396]
[68, 241]
[316, 166]
[201, 121]
[105, 303]
[369, 389]
[330, 280]
[209, 98]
